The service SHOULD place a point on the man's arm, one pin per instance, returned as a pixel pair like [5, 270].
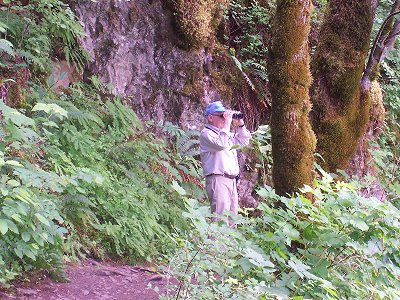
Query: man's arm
[243, 135]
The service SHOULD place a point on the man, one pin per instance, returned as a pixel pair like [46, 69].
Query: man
[219, 158]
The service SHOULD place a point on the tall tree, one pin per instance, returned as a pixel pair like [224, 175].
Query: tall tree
[341, 91]
[293, 141]
[384, 42]
[340, 101]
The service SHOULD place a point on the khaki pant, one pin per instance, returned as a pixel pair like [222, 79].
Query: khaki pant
[222, 192]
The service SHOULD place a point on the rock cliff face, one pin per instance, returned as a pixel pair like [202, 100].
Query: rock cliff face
[135, 49]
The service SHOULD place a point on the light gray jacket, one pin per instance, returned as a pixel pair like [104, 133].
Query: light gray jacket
[217, 155]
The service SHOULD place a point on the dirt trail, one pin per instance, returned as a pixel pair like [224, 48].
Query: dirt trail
[91, 280]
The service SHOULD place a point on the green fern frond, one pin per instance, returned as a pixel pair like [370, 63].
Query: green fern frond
[77, 207]
[260, 71]
[121, 119]
[188, 143]
[239, 66]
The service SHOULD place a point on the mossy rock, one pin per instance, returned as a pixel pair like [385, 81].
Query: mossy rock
[197, 20]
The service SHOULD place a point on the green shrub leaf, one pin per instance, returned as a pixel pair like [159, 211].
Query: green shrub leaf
[3, 226]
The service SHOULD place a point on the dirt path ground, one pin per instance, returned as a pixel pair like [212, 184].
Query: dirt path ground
[91, 280]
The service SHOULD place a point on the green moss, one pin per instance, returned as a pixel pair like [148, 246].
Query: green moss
[15, 96]
[193, 88]
[340, 110]
[293, 140]
[197, 20]
[338, 134]
[377, 111]
[225, 76]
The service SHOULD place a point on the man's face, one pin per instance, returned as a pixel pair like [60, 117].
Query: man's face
[217, 120]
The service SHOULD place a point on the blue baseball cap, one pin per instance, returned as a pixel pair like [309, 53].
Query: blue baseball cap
[214, 107]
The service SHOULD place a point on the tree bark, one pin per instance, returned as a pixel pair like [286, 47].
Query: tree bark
[340, 105]
[362, 163]
[293, 141]
[384, 43]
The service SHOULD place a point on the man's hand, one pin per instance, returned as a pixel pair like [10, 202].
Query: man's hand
[228, 119]
[237, 122]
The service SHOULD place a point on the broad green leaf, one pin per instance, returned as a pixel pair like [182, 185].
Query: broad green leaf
[51, 109]
[298, 267]
[61, 230]
[281, 253]
[305, 199]
[310, 233]
[18, 251]
[22, 208]
[13, 183]
[360, 224]
[321, 268]
[257, 259]
[26, 236]
[3, 226]
[14, 163]
[12, 226]
[44, 235]
[289, 231]
[35, 246]
[15, 116]
[245, 264]
[4, 191]
[39, 239]
[175, 185]
[50, 124]
[50, 239]
[17, 218]
[51, 80]
[29, 253]
[280, 292]
[7, 47]
[42, 219]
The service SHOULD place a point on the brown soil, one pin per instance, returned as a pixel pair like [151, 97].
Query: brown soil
[91, 280]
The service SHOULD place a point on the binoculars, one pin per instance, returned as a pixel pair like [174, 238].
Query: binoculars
[238, 116]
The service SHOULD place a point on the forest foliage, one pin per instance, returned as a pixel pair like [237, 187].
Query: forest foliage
[82, 176]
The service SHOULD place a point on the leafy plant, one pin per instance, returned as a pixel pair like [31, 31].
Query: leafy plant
[261, 146]
[342, 246]
[39, 29]
[30, 222]
[88, 166]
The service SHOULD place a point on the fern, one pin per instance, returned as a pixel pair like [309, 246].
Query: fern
[188, 144]
[121, 120]
[239, 66]
[78, 208]
[260, 70]
[28, 33]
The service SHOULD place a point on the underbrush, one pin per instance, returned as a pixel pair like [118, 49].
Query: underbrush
[342, 246]
[82, 176]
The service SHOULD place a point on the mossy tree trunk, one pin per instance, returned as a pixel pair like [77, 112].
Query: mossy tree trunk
[341, 102]
[293, 141]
